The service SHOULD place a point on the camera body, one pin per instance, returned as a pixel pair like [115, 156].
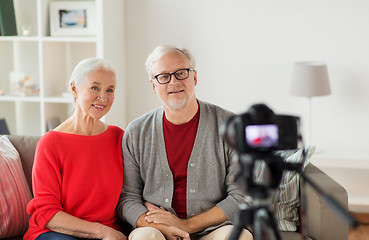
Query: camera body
[259, 130]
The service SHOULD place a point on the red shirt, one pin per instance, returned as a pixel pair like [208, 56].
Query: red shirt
[179, 140]
[80, 175]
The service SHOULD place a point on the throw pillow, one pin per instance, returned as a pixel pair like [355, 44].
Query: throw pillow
[286, 199]
[14, 192]
[287, 202]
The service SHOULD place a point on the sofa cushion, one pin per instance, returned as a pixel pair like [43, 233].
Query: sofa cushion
[287, 202]
[26, 146]
[14, 192]
[286, 199]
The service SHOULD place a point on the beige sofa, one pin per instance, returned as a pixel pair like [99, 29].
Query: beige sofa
[322, 223]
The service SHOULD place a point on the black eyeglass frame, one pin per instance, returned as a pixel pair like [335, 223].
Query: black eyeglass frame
[174, 74]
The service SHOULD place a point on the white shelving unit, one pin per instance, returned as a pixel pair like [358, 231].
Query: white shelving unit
[49, 61]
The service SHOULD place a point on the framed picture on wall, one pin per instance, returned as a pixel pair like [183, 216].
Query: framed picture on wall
[72, 18]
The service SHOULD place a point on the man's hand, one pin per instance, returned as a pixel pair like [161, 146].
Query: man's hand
[161, 216]
[168, 230]
[174, 233]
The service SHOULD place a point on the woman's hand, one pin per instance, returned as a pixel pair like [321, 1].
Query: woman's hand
[111, 234]
[65, 223]
[150, 206]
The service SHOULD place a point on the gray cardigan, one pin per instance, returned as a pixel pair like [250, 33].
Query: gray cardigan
[147, 176]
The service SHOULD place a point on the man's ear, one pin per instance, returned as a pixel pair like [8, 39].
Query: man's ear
[74, 89]
[153, 85]
[195, 76]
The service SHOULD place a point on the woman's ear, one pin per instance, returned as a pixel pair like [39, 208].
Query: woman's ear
[74, 90]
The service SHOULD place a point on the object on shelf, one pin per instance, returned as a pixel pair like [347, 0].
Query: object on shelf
[21, 85]
[72, 18]
[8, 26]
[26, 30]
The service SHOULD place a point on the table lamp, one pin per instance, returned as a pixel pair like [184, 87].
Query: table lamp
[310, 79]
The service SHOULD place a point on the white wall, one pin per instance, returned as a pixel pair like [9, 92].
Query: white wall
[245, 51]
[114, 52]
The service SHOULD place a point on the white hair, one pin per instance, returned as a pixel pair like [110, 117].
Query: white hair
[86, 66]
[161, 50]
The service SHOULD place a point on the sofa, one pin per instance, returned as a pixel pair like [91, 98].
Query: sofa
[321, 222]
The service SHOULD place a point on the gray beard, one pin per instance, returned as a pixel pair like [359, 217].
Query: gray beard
[176, 105]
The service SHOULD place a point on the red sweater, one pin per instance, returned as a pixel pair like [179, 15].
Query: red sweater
[80, 175]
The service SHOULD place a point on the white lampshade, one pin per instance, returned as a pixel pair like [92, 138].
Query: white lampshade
[310, 79]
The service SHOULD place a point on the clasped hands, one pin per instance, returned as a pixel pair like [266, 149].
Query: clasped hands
[177, 228]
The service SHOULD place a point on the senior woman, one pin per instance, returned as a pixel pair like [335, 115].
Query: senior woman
[78, 171]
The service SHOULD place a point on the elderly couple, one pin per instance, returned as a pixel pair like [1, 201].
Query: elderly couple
[176, 168]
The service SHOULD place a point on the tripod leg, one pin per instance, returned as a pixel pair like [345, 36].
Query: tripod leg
[273, 225]
[258, 226]
[236, 232]
[265, 225]
[243, 219]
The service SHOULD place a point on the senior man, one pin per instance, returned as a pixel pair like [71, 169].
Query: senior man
[177, 169]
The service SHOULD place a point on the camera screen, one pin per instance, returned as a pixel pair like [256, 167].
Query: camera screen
[260, 136]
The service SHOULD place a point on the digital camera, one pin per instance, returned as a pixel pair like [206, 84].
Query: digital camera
[260, 130]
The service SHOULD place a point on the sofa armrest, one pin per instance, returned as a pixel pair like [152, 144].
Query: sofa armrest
[322, 222]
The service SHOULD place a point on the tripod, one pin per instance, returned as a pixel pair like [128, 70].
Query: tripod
[262, 218]
[259, 214]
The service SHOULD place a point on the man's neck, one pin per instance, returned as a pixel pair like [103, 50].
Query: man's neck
[184, 115]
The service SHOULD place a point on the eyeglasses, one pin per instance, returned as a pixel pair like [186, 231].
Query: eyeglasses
[180, 74]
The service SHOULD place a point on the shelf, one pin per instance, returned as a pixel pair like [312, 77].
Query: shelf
[59, 99]
[18, 39]
[46, 39]
[69, 39]
[7, 98]
[36, 99]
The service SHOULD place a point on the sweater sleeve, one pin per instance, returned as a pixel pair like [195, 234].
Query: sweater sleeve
[46, 181]
[230, 204]
[232, 193]
[130, 206]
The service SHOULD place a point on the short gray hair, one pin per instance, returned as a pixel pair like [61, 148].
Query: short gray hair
[86, 66]
[161, 50]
